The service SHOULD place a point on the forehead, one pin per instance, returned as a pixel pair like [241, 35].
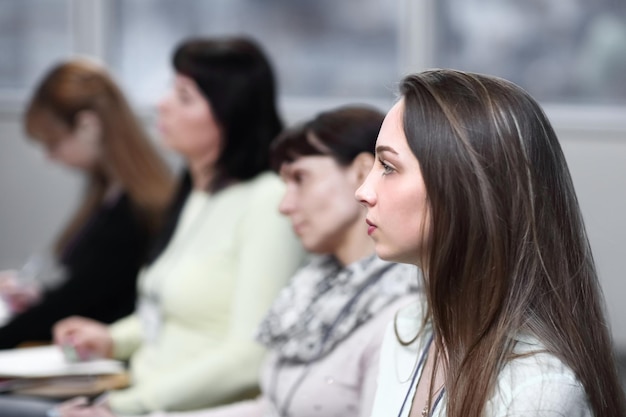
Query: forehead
[185, 82]
[392, 129]
[308, 163]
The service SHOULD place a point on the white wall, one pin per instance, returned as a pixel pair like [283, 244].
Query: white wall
[597, 161]
[36, 197]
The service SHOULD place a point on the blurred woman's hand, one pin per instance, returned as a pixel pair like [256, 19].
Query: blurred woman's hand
[19, 295]
[79, 407]
[89, 338]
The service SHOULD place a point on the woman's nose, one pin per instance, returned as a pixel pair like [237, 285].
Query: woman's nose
[163, 102]
[286, 205]
[365, 194]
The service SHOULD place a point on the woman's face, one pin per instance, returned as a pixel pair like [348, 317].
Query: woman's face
[187, 123]
[79, 147]
[394, 194]
[319, 201]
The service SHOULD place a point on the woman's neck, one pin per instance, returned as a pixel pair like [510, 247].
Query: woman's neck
[112, 186]
[202, 173]
[113, 190]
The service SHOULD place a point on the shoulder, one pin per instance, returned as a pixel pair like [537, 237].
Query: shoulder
[398, 360]
[409, 320]
[255, 203]
[537, 382]
[405, 336]
[261, 193]
[376, 328]
[264, 184]
[391, 313]
[122, 215]
[261, 197]
[313, 267]
[401, 272]
[116, 222]
[121, 207]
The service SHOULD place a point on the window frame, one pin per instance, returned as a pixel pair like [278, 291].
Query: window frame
[416, 42]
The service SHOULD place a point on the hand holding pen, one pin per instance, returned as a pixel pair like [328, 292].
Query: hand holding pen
[82, 407]
[82, 339]
[23, 288]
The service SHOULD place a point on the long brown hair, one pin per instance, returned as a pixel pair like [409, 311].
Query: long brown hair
[78, 85]
[508, 252]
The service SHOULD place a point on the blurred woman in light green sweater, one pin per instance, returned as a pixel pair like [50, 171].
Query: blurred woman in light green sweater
[226, 252]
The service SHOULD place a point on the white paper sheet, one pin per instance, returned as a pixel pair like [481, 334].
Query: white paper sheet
[48, 361]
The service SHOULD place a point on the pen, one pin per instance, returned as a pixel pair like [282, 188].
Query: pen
[100, 399]
[74, 403]
[70, 353]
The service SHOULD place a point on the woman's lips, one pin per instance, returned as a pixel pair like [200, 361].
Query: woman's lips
[371, 227]
[297, 228]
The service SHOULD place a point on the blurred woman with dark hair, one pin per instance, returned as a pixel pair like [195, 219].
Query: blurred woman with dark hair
[226, 251]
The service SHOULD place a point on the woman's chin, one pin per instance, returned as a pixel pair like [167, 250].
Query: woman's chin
[394, 256]
[385, 254]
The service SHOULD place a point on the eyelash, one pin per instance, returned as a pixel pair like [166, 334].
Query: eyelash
[387, 169]
[183, 96]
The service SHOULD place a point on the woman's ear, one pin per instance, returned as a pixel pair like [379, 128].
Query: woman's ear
[362, 165]
[88, 127]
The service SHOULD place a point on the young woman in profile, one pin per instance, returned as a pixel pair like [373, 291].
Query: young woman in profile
[84, 122]
[324, 331]
[471, 185]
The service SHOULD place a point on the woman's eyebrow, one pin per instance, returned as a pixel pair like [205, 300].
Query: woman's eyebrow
[384, 148]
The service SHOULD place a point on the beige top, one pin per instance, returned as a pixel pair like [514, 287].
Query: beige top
[228, 258]
[342, 384]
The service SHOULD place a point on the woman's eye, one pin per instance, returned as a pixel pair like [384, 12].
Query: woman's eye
[183, 96]
[387, 169]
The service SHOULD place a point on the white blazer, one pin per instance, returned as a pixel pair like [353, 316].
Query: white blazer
[538, 385]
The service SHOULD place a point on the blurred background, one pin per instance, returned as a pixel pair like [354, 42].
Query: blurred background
[569, 54]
